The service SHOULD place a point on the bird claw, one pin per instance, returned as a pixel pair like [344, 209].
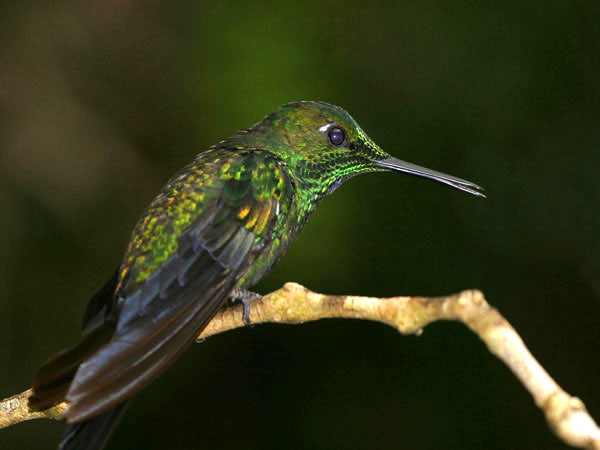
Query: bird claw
[246, 297]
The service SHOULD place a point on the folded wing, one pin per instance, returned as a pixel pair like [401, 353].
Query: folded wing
[234, 204]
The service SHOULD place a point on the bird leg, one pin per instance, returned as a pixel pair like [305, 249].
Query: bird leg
[246, 297]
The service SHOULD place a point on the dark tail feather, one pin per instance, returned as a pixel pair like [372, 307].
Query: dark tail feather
[92, 434]
[53, 379]
[100, 305]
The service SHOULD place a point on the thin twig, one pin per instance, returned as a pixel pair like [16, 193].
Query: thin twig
[293, 303]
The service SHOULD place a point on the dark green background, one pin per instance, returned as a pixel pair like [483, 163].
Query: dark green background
[100, 102]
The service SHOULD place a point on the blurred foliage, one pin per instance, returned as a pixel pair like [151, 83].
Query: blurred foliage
[100, 102]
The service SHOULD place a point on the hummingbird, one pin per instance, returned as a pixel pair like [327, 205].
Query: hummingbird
[217, 227]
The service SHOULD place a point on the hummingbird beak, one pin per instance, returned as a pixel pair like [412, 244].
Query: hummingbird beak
[398, 165]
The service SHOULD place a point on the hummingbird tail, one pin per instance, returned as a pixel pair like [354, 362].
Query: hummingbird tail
[52, 380]
[92, 434]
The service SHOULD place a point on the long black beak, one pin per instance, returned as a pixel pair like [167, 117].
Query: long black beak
[398, 165]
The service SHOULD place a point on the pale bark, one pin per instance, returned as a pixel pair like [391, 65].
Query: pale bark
[293, 303]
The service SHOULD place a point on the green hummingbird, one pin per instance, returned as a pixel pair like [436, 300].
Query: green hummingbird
[218, 227]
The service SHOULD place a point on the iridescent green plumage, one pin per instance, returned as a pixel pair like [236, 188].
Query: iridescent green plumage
[249, 184]
[292, 139]
[221, 223]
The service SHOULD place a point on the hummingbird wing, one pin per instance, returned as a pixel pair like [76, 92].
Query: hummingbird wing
[195, 242]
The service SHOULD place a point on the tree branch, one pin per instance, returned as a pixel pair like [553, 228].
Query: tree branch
[293, 303]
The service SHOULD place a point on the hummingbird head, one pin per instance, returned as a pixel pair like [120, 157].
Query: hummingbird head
[324, 146]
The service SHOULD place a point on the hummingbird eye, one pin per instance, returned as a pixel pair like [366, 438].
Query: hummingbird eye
[337, 135]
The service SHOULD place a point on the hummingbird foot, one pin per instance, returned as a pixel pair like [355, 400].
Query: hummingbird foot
[246, 297]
